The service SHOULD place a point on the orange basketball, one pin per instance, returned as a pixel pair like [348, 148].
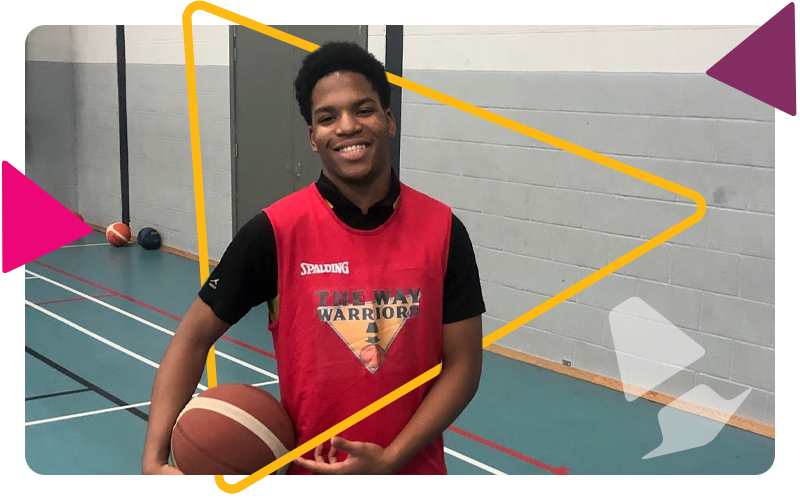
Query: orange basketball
[118, 234]
[231, 429]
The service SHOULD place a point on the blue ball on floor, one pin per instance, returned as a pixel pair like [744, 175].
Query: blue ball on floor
[149, 238]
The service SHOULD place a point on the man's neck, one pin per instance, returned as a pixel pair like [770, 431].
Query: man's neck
[367, 195]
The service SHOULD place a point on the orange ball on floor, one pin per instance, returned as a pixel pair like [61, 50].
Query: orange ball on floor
[118, 234]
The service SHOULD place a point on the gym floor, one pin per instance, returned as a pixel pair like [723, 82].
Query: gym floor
[98, 319]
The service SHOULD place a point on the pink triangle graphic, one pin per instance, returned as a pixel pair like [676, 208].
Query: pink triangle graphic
[763, 65]
[34, 223]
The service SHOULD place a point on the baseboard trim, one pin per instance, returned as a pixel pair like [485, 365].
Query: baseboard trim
[656, 397]
[164, 248]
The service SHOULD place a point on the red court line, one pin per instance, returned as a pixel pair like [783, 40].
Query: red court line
[148, 306]
[563, 471]
[69, 300]
[555, 470]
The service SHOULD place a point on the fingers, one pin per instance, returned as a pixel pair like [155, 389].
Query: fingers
[341, 443]
[332, 454]
[318, 457]
[170, 471]
[321, 467]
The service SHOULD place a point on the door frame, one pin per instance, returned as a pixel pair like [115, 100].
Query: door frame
[233, 141]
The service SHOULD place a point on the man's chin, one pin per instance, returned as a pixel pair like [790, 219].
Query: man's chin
[357, 177]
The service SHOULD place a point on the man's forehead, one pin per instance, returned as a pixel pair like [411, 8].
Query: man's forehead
[340, 85]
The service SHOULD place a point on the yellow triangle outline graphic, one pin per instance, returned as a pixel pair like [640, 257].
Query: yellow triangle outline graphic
[191, 82]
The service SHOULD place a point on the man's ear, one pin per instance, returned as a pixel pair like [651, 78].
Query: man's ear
[311, 139]
[392, 124]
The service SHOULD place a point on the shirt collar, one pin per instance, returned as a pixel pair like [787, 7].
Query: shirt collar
[340, 204]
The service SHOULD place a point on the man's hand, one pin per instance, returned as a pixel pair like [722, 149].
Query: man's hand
[176, 379]
[162, 470]
[362, 458]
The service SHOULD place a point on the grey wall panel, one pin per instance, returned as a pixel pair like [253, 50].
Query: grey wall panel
[541, 219]
[97, 142]
[49, 133]
[162, 182]
[657, 94]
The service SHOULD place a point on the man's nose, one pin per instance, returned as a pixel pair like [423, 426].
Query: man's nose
[348, 124]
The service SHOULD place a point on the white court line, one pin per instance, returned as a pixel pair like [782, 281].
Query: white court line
[447, 450]
[85, 414]
[99, 338]
[116, 408]
[474, 462]
[262, 384]
[460, 456]
[87, 245]
[31, 277]
[153, 325]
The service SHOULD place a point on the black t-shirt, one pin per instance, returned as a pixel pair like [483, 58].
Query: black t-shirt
[247, 275]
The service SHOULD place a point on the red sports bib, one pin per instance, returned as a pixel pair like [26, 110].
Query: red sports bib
[359, 315]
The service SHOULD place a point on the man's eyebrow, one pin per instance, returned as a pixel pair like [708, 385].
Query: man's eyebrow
[364, 101]
[331, 109]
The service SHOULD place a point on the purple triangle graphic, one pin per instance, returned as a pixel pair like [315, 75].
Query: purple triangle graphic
[763, 65]
[34, 223]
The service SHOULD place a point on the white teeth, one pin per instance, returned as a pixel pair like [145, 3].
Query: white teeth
[350, 149]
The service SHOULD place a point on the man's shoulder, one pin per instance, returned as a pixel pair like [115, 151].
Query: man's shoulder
[300, 195]
[293, 204]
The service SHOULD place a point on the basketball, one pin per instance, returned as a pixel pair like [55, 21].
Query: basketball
[231, 429]
[149, 238]
[372, 356]
[118, 234]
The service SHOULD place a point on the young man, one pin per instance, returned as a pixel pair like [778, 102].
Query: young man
[369, 283]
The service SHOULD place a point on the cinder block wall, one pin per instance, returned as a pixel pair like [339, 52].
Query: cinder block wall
[161, 179]
[72, 129]
[542, 219]
[94, 58]
[50, 114]
[376, 41]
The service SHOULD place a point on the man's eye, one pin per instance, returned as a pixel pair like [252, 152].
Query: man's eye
[366, 111]
[325, 119]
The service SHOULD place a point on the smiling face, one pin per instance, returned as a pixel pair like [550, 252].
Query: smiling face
[349, 129]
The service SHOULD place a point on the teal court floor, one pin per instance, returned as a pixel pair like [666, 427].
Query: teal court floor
[98, 319]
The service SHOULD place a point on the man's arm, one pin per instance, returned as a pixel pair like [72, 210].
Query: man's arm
[245, 277]
[176, 380]
[453, 389]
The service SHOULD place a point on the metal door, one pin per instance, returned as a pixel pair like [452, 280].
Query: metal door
[271, 154]
[307, 164]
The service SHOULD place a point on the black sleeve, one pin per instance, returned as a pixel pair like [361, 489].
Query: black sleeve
[463, 298]
[247, 275]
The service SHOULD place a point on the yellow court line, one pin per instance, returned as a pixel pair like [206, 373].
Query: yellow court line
[444, 99]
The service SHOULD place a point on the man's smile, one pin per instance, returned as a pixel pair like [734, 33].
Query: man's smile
[353, 150]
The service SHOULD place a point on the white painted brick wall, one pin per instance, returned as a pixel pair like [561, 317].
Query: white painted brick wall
[656, 49]
[744, 233]
[48, 43]
[704, 269]
[753, 366]
[761, 190]
[376, 41]
[738, 319]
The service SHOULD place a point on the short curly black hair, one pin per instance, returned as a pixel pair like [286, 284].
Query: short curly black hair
[339, 56]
